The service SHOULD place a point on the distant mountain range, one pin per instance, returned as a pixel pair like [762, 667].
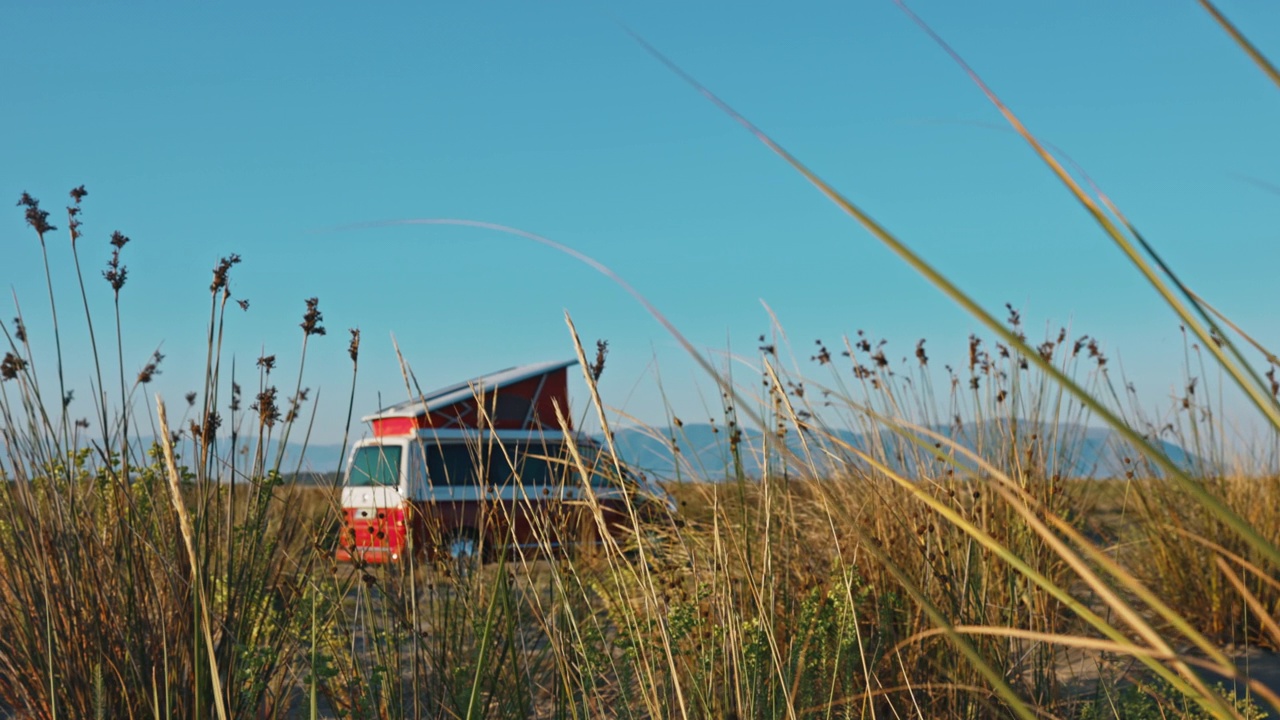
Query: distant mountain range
[1073, 450]
[1076, 451]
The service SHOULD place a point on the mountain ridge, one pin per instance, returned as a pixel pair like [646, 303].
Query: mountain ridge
[1078, 451]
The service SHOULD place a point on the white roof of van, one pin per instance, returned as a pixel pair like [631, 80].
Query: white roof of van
[484, 384]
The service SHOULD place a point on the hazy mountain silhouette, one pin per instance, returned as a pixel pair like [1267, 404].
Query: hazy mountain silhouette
[704, 450]
[704, 453]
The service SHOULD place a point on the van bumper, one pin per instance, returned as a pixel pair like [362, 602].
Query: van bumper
[372, 556]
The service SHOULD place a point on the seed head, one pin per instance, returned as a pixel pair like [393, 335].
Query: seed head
[19, 330]
[312, 318]
[151, 369]
[353, 349]
[597, 367]
[36, 218]
[265, 406]
[1015, 318]
[212, 421]
[267, 362]
[73, 211]
[824, 356]
[11, 366]
[116, 274]
[295, 404]
[220, 272]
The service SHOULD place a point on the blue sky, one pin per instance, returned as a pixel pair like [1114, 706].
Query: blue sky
[206, 129]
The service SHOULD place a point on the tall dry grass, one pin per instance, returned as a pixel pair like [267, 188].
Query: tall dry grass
[945, 563]
[146, 569]
[815, 590]
[934, 568]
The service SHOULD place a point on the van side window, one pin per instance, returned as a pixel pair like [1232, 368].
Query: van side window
[519, 462]
[450, 465]
[601, 467]
[533, 464]
[563, 469]
[538, 466]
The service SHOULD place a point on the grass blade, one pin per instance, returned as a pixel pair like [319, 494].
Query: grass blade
[1254, 53]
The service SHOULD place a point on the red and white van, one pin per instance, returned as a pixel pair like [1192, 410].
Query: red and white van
[481, 467]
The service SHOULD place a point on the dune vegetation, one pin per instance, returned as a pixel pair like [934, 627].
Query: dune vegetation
[915, 576]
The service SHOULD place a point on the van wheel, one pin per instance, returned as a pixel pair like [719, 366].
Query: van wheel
[463, 549]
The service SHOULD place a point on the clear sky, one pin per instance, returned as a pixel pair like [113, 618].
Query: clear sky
[203, 129]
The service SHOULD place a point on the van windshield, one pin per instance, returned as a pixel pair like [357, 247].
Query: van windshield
[375, 465]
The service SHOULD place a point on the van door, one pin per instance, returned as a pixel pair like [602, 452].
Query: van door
[452, 506]
[543, 501]
[416, 480]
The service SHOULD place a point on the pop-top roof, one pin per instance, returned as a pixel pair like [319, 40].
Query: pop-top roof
[461, 392]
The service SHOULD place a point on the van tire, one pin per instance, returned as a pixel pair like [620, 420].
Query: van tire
[464, 549]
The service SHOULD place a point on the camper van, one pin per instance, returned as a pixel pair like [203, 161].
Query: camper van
[483, 467]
